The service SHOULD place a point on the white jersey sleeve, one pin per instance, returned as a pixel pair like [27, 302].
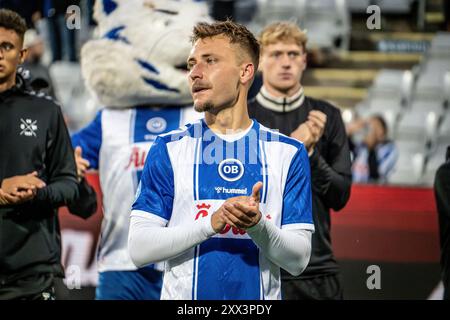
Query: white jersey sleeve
[151, 241]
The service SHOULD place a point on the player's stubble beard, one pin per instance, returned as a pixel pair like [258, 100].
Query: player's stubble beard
[210, 107]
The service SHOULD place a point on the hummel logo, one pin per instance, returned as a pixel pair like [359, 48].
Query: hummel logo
[28, 127]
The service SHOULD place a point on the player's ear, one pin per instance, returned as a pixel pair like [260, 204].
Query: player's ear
[23, 56]
[247, 72]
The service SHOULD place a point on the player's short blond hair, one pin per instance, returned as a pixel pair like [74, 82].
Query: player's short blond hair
[287, 32]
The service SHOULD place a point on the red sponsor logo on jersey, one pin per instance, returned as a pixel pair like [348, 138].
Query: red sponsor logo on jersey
[137, 158]
[203, 210]
[234, 230]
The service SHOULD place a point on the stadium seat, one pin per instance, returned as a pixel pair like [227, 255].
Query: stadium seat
[440, 45]
[395, 7]
[277, 10]
[420, 126]
[441, 41]
[444, 128]
[393, 83]
[420, 105]
[358, 6]
[432, 79]
[408, 169]
[327, 21]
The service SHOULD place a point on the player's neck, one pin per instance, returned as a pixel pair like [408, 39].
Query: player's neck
[8, 84]
[229, 120]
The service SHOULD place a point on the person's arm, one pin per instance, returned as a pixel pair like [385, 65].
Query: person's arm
[331, 174]
[296, 218]
[60, 172]
[288, 248]
[166, 242]
[442, 191]
[19, 189]
[87, 143]
[7, 199]
[86, 203]
[154, 198]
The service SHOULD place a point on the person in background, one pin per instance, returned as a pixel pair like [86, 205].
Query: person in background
[37, 176]
[281, 104]
[442, 194]
[62, 39]
[374, 158]
[39, 75]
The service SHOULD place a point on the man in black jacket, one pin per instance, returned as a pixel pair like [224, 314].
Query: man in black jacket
[37, 175]
[281, 104]
[442, 194]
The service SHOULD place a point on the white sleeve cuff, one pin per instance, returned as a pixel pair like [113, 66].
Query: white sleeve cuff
[288, 248]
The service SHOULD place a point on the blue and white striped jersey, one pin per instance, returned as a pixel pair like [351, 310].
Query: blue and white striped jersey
[188, 175]
[116, 143]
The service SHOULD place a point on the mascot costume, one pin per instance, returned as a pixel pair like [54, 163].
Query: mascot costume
[133, 68]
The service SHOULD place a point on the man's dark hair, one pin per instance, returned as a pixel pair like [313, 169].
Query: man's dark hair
[13, 21]
[383, 123]
[237, 33]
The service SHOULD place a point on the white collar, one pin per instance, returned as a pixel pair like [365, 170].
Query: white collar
[230, 137]
[280, 104]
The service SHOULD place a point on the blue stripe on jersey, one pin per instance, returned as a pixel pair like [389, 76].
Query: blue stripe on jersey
[228, 269]
[297, 201]
[151, 122]
[266, 180]
[196, 159]
[90, 140]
